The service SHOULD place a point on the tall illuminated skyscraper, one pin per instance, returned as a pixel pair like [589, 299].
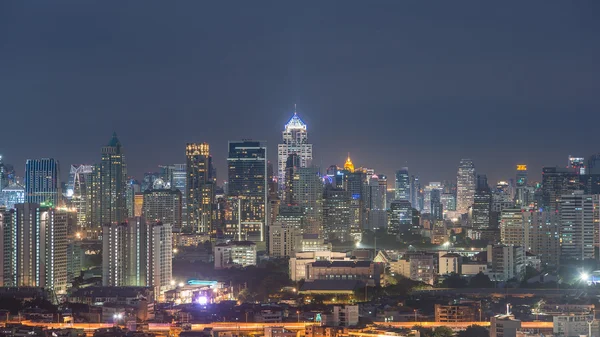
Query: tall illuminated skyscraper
[295, 140]
[79, 189]
[200, 194]
[465, 186]
[308, 194]
[522, 193]
[42, 181]
[113, 183]
[247, 170]
[402, 184]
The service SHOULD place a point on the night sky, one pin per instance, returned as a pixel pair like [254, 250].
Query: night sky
[395, 83]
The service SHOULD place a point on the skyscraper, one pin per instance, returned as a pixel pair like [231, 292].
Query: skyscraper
[522, 193]
[113, 183]
[247, 168]
[308, 194]
[42, 181]
[376, 202]
[295, 140]
[556, 182]
[336, 214]
[200, 195]
[482, 204]
[178, 182]
[578, 221]
[465, 186]
[400, 217]
[3, 175]
[80, 180]
[402, 186]
[291, 166]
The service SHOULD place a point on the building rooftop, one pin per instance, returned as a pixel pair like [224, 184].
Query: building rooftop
[350, 264]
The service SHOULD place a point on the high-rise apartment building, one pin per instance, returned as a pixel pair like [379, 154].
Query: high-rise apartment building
[163, 205]
[578, 222]
[200, 193]
[542, 233]
[11, 195]
[134, 253]
[281, 239]
[402, 185]
[295, 140]
[42, 182]
[465, 186]
[247, 168]
[113, 183]
[34, 247]
[512, 227]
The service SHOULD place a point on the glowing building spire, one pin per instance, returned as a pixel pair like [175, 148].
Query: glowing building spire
[348, 166]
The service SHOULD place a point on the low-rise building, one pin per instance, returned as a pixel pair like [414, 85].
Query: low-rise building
[417, 267]
[297, 264]
[504, 326]
[505, 262]
[461, 312]
[449, 263]
[240, 253]
[278, 331]
[190, 240]
[574, 325]
[471, 269]
[365, 271]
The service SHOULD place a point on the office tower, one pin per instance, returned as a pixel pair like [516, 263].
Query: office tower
[133, 188]
[166, 173]
[148, 181]
[376, 204]
[247, 167]
[113, 183]
[437, 212]
[291, 166]
[134, 253]
[34, 247]
[577, 164]
[400, 217]
[336, 214]
[402, 185]
[11, 195]
[557, 182]
[42, 181]
[427, 195]
[416, 193]
[308, 194]
[355, 182]
[200, 188]
[295, 140]
[578, 222]
[593, 164]
[178, 182]
[448, 202]
[542, 235]
[79, 185]
[465, 186]
[522, 196]
[482, 204]
[162, 205]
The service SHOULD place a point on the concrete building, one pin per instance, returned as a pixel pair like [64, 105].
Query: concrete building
[504, 326]
[461, 312]
[163, 205]
[200, 187]
[512, 228]
[308, 195]
[417, 267]
[579, 219]
[542, 233]
[505, 262]
[282, 239]
[300, 260]
[336, 214]
[341, 316]
[242, 253]
[574, 325]
[449, 263]
[365, 271]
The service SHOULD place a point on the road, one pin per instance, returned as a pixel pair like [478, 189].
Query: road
[233, 326]
[513, 292]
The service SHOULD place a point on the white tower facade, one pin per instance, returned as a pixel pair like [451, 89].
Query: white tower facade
[465, 186]
[295, 140]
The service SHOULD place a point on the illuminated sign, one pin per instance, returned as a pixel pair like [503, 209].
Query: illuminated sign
[521, 167]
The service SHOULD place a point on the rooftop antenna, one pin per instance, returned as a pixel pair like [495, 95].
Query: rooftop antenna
[295, 113]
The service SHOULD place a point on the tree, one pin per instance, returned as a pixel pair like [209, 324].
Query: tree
[481, 281]
[474, 331]
[454, 281]
[443, 331]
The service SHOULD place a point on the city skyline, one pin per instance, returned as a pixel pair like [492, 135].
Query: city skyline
[208, 80]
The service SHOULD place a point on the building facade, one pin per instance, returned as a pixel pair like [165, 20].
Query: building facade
[295, 140]
[113, 184]
[42, 182]
[465, 186]
[199, 187]
[578, 221]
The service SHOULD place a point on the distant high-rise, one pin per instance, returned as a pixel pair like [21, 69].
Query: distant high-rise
[11, 195]
[482, 204]
[178, 182]
[402, 186]
[33, 246]
[557, 182]
[80, 182]
[416, 193]
[376, 202]
[432, 186]
[42, 182]
[336, 214]
[291, 166]
[295, 140]
[163, 205]
[400, 217]
[308, 194]
[247, 168]
[543, 235]
[113, 183]
[437, 211]
[134, 253]
[577, 164]
[200, 194]
[3, 175]
[522, 193]
[578, 220]
[593, 164]
[465, 186]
